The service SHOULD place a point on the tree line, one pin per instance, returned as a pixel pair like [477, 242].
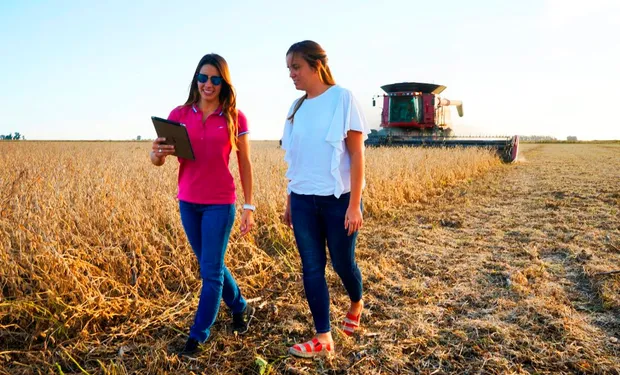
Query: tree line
[14, 136]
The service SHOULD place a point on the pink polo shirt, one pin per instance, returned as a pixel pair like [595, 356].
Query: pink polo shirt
[207, 179]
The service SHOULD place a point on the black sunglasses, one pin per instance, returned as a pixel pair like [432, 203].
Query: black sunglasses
[203, 78]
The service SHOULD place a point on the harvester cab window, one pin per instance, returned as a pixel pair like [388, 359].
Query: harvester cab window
[405, 109]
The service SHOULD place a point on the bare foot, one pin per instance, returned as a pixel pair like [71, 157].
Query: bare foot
[325, 338]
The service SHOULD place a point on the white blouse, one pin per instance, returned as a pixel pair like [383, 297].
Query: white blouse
[314, 143]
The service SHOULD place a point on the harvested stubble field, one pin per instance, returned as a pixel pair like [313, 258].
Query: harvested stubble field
[470, 266]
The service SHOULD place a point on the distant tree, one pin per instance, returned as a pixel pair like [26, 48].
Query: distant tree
[139, 138]
[15, 136]
[537, 138]
[571, 138]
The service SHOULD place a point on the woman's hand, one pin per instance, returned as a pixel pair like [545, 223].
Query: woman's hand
[160, 151]
[353, 219]
[247, 222]
[288, 219]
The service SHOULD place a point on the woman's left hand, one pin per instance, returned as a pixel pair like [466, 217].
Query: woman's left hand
[353, 219]
[247, 222]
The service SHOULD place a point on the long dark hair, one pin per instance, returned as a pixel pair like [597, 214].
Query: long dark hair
[228, 96]
[316, 57]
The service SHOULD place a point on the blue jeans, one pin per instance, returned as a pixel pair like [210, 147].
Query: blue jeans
[317, 220]
[208, 228]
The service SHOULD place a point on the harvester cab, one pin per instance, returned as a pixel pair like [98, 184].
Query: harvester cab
[414, 115]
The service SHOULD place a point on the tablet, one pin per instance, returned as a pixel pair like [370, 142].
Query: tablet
[175, 134]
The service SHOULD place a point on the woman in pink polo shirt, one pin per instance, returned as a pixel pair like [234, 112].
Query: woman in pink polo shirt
[324, 141]
[207, 190]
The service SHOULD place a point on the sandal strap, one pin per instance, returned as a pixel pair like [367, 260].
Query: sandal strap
[353, 319]
[317, 344]
[313, 346]
[350, 323]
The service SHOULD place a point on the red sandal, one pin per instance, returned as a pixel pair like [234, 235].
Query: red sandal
[312, 348]
[351, 323]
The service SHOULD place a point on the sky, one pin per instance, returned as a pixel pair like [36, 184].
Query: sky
[100, 70]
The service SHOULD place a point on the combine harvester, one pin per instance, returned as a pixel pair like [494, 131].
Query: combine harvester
[413, 115]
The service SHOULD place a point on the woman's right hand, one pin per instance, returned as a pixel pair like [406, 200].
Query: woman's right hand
[288, 220]
[160, 151]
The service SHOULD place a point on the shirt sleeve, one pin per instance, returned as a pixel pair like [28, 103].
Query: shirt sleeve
[357, 120]
[175, 114]
[286, 140]
[347, 117]
[286, 134]
[243, 124]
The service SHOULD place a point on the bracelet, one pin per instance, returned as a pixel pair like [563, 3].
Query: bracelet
[250, 207]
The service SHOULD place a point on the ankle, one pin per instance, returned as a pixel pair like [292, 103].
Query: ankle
[325, 338]
[356, 307]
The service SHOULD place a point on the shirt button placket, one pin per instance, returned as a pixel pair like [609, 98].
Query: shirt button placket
[202, 128]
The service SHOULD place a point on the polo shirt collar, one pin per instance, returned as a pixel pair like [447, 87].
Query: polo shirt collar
[196, 110]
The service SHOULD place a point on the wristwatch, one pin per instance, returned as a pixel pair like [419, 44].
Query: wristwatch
[250, 207]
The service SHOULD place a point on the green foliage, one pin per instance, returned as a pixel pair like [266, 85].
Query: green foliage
[16, 136]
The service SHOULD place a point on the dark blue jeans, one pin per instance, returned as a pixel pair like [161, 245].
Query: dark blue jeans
[318, 220]
[208, 228]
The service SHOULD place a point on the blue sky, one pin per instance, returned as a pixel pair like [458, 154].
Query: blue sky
[89, 70]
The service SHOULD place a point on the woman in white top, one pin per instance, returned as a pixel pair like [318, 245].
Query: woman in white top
[324, 141]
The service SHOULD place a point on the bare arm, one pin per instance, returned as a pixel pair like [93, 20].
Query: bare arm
[355, 146]
[245, 174]
[288, 219]
[245, 167]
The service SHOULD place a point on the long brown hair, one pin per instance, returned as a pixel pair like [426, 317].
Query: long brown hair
[316, 57]
[228, 96]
